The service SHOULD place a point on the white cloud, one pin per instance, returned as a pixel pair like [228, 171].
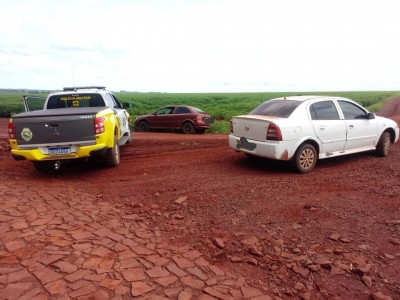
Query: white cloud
[201, 46]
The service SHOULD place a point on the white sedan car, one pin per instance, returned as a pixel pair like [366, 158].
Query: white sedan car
[304, 129]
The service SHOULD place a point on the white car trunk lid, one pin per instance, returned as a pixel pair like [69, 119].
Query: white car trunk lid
[251, 127]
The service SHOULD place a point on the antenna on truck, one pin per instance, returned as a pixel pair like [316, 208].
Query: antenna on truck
[73, 78]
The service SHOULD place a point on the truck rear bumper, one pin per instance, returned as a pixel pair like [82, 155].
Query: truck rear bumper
[38, 155]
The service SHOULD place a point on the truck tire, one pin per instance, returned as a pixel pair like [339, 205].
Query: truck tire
[113, 155]
[129, 138]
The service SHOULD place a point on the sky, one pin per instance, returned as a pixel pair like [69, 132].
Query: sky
[201, 46]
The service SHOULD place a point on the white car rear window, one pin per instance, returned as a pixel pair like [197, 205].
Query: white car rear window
[276, 108]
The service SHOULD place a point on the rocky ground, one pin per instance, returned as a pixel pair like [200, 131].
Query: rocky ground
[185, 217]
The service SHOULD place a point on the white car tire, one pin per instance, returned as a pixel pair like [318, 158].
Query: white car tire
[305, 158]
[383, 147]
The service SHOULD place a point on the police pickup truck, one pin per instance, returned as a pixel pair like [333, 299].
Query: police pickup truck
[79, 122]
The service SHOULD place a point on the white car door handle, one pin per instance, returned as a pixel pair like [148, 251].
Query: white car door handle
[351, 126]
[321, 128]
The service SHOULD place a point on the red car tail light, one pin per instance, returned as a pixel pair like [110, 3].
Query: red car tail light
[11, 131]
[274, 132]
[99, 125]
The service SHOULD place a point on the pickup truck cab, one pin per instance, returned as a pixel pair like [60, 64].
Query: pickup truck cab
[79, 122]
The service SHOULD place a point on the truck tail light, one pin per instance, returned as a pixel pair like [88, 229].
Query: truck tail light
[11, 131]
[231, 126]
[274, 132]
[99, 125]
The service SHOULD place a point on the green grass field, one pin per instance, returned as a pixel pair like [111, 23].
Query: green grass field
[222, 106]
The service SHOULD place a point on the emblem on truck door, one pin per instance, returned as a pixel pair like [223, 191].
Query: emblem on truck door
[26, 134]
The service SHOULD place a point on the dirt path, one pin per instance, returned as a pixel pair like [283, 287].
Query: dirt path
[330, 234]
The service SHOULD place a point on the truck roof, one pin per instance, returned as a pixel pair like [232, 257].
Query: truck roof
[81, 90]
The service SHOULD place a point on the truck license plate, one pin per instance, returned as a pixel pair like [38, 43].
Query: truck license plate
[60, 150]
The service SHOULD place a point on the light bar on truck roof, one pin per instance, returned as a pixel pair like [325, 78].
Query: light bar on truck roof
[70, 89]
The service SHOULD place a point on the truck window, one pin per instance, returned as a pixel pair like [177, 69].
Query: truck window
[75, 100]
[116, 102]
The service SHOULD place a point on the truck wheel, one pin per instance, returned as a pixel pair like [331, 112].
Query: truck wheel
[129, 138]
[113, 155]
[188, 127]
[383, 147]
[305, 158]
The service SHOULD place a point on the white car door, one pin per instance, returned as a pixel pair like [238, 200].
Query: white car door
[362, 130]
[328, 127]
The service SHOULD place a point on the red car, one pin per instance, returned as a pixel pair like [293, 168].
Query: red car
[177, 117]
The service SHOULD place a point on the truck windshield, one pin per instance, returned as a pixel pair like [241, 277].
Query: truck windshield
[276, 108]
[75, 100]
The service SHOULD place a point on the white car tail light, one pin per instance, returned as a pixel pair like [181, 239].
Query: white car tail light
[274, 132]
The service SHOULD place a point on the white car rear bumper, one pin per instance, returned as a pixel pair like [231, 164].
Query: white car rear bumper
[269, 149]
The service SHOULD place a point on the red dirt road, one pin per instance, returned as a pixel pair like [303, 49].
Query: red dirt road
[330, 234]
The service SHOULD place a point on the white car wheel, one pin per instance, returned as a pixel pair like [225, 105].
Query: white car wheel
[383, 147]
[305, 158]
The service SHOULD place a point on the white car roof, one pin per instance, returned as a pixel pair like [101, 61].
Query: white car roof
[300, 98]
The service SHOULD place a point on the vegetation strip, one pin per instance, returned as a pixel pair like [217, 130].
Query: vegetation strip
[221, 106]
